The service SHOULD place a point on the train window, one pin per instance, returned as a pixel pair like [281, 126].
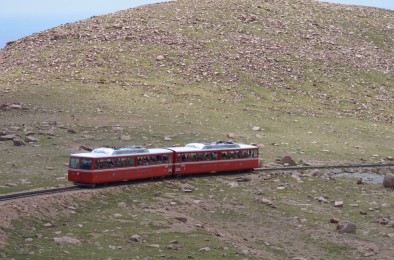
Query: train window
[178, 158]
[214, 156]
[165, 159]
[237, 154]
[244, 154]
[192, 157]
[102, 164]
[153, 159]
[116, 162]
[207, 156]
[110, 163]
[254, 153]
[86, 164]
[96, 164]
[74, 162]
[230, 155]
[185, 157]
[146, 160]
[224, 155]
[199, 157]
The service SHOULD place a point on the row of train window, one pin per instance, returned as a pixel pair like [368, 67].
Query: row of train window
[208, 156]
[159, 159]
[119, 162]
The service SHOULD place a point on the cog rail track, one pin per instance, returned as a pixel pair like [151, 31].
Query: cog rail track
[303, 168]
[28, 194]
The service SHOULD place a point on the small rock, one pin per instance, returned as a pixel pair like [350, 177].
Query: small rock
[266, 202]
[243, 179]
[288, 160]
[389, 158]
[231, 135]
[125, 138]
[154, 246]
[66, 240]
[182, 219]
[122, 205]
[363, 212]
[334, 220]
[338, 204]
[256, 128]
[388, 181]
[322, 199]
[71, 131]
[348, 228]
[48, 225]
[204, 249]
[167, 138]
[160, 57]
[391, 235]
[136, 238]
[7, 137]
[30, 139]
[18, 142]
[188, 188]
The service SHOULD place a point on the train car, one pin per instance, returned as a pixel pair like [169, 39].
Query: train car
[214, 157]
[104, 165]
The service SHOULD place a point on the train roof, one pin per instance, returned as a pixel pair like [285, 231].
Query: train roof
[120, 151]
[212, 146]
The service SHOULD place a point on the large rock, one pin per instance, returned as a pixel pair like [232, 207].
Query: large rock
[7, 137]
[388, 181]
[18, 142]
[287, 160]
[348, 228]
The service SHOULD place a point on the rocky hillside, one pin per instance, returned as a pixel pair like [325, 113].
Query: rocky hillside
[310, 57]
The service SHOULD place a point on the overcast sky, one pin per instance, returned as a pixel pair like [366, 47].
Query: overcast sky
[19, 18]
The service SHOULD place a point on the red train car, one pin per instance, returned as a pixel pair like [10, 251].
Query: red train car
[104, 165]
[214, 157]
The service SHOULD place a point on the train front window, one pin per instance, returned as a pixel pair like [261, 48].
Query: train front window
[86, 164]
[74, 162]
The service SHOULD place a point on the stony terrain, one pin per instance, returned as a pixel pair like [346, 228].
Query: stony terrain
[301, 78]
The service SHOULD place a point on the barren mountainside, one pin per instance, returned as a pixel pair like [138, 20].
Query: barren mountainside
[341, 56]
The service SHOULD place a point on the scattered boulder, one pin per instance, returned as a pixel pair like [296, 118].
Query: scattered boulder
[204, 249]
[334, 220]
[256, 128]
[71, 131]
[160, 57]
[338, 204]
[231, 135]
[388, 181]
[167, 138]
[66, 240]
[348, 228]
[7, 137]
[287, 160]
[18, 142]
[243, 179]
[182, 219]
[188, 188]
[82, 147]
[136, 238]
[266, 202]
[125, 138]
[30, 139]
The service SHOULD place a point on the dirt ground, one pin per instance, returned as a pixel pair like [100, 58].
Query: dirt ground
[254, 213]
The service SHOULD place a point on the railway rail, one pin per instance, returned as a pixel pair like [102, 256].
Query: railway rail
[28, 194]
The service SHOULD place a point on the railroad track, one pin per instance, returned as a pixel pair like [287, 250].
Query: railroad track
[27, 194]
[303, 168]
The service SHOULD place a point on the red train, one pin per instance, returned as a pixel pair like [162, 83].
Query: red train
[105, 165]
